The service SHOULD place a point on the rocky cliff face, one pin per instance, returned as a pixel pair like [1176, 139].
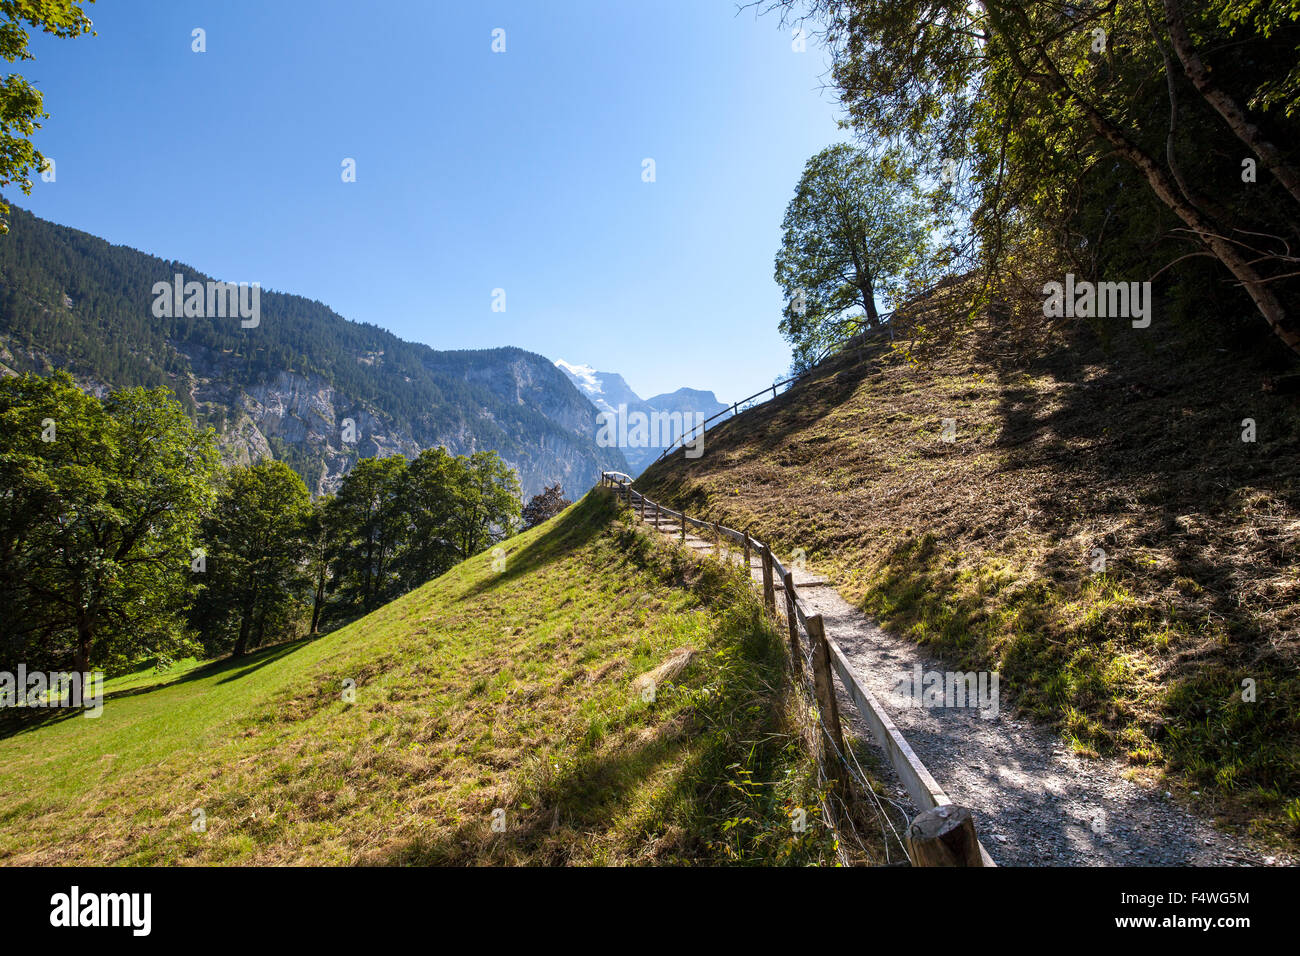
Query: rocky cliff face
[303, 385]
[305, 420]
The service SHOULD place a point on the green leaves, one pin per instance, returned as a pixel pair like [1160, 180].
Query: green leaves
[254, 577]
[1096, 137]
[21, 105]
[401, 524]
[856, 228]
[97, 520]
[102, 563]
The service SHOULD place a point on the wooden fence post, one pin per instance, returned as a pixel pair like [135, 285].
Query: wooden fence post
[656, 516]
[683, 524]
[824, 687]
[943, 836]
[643, 507]
[769, 592]
[747, 549]
[792, 619]
[717, 540]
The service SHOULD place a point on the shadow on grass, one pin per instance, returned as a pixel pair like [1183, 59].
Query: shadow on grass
[692, 754]
[1128, 440]
[1140, 443]
[1152, 428]
[565, 533]
[593, 797]
[16, 720]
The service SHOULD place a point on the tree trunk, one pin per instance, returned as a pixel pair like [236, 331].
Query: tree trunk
[1268, 304]
[245, 626]
[316, 604]
[378, 595]
[869, 304]
[85, 636]
[366, 583]
[1161, 183]
[1225, 105]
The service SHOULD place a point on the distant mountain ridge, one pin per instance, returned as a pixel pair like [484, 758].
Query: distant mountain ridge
[286, 387]
[609, 393]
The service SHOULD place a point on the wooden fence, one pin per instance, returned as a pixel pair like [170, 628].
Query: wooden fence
[942, 834]
[857, 339]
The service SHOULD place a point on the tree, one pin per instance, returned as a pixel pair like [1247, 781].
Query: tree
[429, 500]
[371, 525]
[394, 525]
[545, 506]
[321, 536]
[486, 494]
[254, 575]
[101, 505]
[21, 104]
[1061, 113]
[35, 475]
[853, 232]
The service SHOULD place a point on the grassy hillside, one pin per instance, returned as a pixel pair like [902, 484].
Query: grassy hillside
[983, 548]
[491, 687]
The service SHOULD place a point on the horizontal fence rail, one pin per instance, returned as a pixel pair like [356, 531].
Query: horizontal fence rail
[734, 409]
[731, 410]
[826, 657]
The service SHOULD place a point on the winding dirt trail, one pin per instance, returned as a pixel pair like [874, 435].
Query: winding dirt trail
[1035, 802]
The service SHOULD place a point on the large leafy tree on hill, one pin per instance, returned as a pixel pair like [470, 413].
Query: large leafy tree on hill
[397, 524]
[487, 503]
[372, 528]
[254, 575]
[97, 520]
[429, 499]
[853, 233]
[1126, 138]
[321, 536]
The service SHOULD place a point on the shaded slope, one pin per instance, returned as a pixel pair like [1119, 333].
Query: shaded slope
[982, 548]
[1033, 802]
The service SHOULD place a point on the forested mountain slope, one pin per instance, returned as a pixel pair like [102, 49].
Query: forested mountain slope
[284, 387]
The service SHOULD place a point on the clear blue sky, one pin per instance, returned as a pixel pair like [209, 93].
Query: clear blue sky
[475, 170]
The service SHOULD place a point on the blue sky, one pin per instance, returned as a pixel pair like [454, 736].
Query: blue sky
[475, 170]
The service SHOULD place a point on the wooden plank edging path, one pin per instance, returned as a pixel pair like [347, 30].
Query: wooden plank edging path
[939, 830]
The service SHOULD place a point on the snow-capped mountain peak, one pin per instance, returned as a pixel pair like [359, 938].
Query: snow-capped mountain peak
[605, 390]
[583, 376]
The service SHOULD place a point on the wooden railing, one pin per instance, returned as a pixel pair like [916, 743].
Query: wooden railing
[942, 833]
[731, 410]
[734, 408]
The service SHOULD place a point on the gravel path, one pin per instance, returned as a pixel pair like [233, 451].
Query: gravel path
[1035, 802]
